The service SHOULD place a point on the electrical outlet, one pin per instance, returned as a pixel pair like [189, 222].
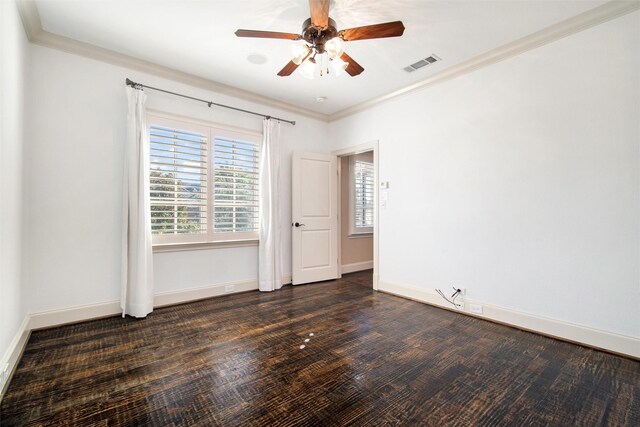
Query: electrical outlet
[475, 308]
[229, 288]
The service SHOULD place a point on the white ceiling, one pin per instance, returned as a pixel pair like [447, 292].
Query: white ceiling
[197, 37]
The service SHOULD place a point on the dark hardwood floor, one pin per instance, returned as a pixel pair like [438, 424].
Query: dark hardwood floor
[374, 359]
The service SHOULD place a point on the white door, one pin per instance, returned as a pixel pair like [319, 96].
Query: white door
[315, 217]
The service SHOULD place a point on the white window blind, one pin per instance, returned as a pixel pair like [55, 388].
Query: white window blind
[203, 182]
[363, 193]
[236, 185]
[178, 181]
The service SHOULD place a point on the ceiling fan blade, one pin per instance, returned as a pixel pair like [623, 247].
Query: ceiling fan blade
[353, 68]
[267, 34]
[377, 31]
[319, 12]
[288, 69]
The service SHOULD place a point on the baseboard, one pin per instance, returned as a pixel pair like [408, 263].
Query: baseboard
[81, 313]
[48, 319]
[186, 295]
[14, 353]
[604, 340]
[356, 266]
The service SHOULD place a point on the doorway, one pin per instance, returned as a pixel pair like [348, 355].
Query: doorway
[358, 209]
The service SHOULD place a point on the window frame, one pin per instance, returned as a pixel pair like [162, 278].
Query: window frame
[353, 230]
[211, 130]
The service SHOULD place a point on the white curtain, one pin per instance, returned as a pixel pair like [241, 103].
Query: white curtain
[270, 246]
[137, 262]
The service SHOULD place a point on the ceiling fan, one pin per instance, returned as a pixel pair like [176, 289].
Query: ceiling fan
[319, 36]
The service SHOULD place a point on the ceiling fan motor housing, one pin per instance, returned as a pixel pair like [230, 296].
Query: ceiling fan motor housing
[317, 36]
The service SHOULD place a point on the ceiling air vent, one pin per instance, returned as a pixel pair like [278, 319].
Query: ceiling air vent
[422, 63]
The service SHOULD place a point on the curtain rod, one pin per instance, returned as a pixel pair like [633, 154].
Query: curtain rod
[210, 103]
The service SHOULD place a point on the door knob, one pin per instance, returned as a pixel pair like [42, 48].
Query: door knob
[297, 224]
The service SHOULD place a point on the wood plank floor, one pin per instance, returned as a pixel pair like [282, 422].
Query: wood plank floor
[374, 359]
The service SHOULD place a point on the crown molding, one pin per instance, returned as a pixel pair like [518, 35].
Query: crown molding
[30, 16]
[31, 21]
[588, 19]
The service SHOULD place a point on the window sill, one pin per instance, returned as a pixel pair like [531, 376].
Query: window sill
[359, 235]
[178, 247]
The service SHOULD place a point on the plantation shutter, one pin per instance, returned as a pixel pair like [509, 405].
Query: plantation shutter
[178, 181]
[363, 205]
[235, 192]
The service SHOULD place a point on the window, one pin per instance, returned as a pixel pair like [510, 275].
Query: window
[362, 188]
[203, 182]
[235, 207]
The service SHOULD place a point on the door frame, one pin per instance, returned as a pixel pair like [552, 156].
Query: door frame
[348, 151]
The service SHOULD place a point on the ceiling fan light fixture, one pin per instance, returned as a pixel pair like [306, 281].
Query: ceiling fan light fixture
[339, 66]
[299, 52]
[334, 47]
[308, 69]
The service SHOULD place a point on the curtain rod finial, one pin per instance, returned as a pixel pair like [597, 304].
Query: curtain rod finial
[133, 84]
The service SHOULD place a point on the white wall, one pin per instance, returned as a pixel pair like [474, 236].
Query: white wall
[520, 181]
[13, 61]
[73, 188]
